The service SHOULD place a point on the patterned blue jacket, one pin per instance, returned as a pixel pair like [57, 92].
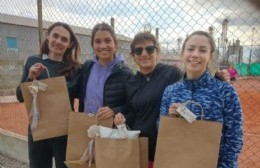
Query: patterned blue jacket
[220, 102]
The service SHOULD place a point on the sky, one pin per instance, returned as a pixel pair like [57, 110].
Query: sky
[174, 18]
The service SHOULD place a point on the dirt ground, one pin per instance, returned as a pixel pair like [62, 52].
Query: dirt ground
[7, 162]
[13, 117]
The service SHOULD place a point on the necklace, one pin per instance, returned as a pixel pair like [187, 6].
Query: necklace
[148, 76]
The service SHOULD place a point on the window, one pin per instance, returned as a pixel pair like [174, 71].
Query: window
[11, 42]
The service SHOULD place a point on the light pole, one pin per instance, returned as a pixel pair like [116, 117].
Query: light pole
[250, 55]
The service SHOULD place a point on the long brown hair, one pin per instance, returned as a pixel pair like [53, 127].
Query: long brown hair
[71, 60]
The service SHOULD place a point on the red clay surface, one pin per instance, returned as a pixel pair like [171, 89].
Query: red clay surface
[13, 117]
[249, 93]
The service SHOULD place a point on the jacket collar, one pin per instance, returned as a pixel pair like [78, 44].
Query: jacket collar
[203, 81]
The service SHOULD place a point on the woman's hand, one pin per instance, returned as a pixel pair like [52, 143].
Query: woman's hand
[119, 119]
[105, 113]
[173, 110]
[223, 75]
[35, 71]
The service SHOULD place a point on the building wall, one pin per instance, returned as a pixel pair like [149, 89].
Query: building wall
[11, 60]
[27, 40]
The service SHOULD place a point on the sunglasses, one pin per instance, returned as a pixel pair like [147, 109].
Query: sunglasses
[139, 50]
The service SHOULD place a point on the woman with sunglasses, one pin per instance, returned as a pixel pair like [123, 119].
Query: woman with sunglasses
[145, 89]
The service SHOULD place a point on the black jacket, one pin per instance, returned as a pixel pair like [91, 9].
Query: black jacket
[144, 99]
[114, 89]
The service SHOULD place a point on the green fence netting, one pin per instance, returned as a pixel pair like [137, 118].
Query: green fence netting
[245, 70]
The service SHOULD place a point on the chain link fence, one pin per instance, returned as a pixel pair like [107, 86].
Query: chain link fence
[234, 24]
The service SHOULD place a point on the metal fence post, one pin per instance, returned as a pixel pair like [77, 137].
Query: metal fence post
[40, 28]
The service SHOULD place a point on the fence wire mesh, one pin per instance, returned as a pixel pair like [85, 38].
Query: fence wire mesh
[234, 24]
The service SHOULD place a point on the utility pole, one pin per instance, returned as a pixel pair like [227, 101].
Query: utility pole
[157, 34]
[224, 40]
[179, 42]
[112, 23]
[40, 28]
[250, 55]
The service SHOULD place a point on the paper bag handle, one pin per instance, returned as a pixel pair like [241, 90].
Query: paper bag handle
[196, 103]
[122, 130]
[91, 113]
[47, 71]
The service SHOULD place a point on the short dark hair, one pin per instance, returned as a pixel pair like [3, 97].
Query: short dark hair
[141, 37]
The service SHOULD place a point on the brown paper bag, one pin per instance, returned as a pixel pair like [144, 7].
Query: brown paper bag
[78, 164]
[78, 139]
[54, 107]
[117, 153]
[143, 149]
[184, 145]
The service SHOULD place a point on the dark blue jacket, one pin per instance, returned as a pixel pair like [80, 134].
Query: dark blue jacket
[114, 90]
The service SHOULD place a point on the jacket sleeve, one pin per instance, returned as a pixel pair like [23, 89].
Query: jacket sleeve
[24, 78]
[123, 108]
[164, 104]
[129, 116]
[81, 85]
[173, 74]
[77, 79]
[232, 132]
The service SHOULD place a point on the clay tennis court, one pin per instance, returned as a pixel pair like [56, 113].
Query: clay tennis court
[249, 93]
[13, 117]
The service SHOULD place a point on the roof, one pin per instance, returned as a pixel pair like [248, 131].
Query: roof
[31, 22]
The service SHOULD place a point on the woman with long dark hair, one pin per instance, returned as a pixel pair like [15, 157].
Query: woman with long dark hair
[60, 55]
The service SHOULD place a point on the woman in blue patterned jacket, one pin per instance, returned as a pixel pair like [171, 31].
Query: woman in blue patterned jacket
[219, 99]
